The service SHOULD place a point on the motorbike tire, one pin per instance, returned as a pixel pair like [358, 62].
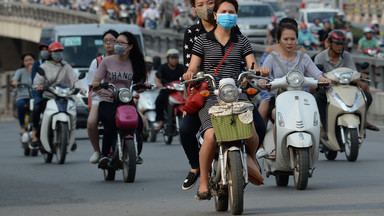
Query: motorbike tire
[330, 155]
[129, 161]
[352, 145]
[168, 139]
[282, 180]
[34, 152]
[62, 142]
[152, 135]
[48, 157]
[301, 169]
[109, 174]
[27, 151]
[235, 183]
[221, 202]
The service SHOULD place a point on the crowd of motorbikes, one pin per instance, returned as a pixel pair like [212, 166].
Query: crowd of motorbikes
[297, 134]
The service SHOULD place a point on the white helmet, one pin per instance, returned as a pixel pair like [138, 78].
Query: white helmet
[173, 53]
[375, 22]
[367, 30]
[148, 59]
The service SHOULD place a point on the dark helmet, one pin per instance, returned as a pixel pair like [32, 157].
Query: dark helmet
[337, 36]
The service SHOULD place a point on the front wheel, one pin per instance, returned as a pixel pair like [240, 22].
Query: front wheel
[235, 182]
[109, 174]
[330, 155]
[129, 160]
[62, 142]
[352, 144]
[301, 169]
[282, 180]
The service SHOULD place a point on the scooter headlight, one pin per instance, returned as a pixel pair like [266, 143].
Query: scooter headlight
[62, 92]
[295, 78]
[125, 95]
[344, 77]
[228, 93]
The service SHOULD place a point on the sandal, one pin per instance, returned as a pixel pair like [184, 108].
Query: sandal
[261, 153]
[206, 195]
[371, 127]
[272, 155]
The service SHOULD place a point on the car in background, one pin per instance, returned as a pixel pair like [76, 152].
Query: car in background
[275, 5]
[308, 15]
[253, 19]
[83, 43]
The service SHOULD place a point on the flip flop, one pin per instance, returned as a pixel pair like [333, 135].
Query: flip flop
[272, 156]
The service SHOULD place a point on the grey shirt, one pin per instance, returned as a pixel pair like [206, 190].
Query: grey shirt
[345, 60]
[23, 77]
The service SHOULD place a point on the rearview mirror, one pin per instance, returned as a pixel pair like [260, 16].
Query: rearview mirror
[81, 75]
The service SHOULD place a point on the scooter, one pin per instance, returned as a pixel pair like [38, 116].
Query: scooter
[124, 13]
[174, 113]
[297, 131]
[346, 115]
[373, 52]
[147, 106]
[124, 153]
[232, 123]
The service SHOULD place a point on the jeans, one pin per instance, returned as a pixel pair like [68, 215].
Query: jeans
[22, 110]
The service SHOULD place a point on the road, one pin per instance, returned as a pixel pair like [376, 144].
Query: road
[30, 187]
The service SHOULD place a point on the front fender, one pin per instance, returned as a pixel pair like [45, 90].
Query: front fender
[63, 117]
[349, 120]
[299, 140]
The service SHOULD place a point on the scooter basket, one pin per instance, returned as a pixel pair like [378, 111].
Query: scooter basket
[230, 128]
[126, 117]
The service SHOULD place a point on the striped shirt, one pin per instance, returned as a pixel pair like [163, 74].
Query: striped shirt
[212, 52]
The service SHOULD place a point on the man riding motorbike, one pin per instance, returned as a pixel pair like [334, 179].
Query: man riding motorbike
[332, 58]
[304, 36]
[168, 72]
[368, 41]
[56, 71]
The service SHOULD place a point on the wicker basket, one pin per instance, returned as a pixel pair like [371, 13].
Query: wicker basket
[225, 131]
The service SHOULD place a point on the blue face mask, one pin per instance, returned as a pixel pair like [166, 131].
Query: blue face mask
[226, 21]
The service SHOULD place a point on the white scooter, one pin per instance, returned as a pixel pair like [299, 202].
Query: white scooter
[57, 133]
[147, 106]
[297, 131]
[346, 114]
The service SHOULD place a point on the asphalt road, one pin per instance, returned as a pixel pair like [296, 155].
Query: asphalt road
[30, 187]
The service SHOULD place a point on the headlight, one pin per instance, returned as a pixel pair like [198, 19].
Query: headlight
[125, 95]
[62, 92]
[228, 93]
[295, 78]
[344, 77]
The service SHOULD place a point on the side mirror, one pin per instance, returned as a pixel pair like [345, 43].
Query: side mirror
[41, 71]
[321, 67]
[364, 65]
[81, 75]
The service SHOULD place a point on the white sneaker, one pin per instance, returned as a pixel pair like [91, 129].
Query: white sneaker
[94, 158]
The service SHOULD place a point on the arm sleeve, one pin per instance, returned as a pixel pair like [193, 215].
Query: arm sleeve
[187, 49]
[311, 68]
[16, 76]
[91, 72]
[198, 47]
[263, 57]
[102, 70]
[349, 61]
[72, 76]
[34, 69]
[268, 63]
[247, 48]
[38, 80]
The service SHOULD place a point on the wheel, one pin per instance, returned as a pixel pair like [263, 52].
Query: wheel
[330, 155]
[235, 182]
[221, 202]
[129, 160]
[48, 157]
[152, 135]
[34, 152]
[282, 180]
[27, 151]
[168, 139]
[352, 144]
[62, 142]
[301, 170]
[109, 174]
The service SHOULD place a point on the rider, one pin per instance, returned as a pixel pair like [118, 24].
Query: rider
[323, 33]
[125, 67]
[168, 72]
[271, 31]
[332, 58]
[23, 76]
[225, 12]
[182, 21]
[56, 71]
[109, 38]
[368, 41]
[305, 35]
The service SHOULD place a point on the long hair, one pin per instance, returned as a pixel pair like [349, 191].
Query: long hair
[137, 58]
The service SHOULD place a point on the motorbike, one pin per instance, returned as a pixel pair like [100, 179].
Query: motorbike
[124, 13]
[111, 13]
[308, 45]
[174, 112]
[147, 106]
[297, 131]
[26, 136]
[232, 123]
[346, 115]
[373, 52]
[124, 153]
[132, 14]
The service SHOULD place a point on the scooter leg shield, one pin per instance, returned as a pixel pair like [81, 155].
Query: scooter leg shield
[349, 120]
[299, 140]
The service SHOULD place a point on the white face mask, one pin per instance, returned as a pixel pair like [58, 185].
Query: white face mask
[57, 56]
[44, 54]
[120, 50]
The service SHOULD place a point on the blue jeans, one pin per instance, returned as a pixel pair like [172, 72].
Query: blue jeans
[21, 110]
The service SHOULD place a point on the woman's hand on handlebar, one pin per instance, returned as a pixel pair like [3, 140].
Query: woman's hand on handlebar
[39, 87]
[188, 75]
[323, 79]
[262, 84]
[264, 71]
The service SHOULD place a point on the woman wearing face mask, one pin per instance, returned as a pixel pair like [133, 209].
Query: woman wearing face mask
[127, 66]
[23, 76]
[210, 48]
[56, 71]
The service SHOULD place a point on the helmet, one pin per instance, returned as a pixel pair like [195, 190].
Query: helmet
[326, 20]
[340, 13]
[273, 19]
[173, 53]
[367, 30]
[148, 59]
[55, 46]
[303, 26]
[44, 44]
[337, 36]
[375, 22]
